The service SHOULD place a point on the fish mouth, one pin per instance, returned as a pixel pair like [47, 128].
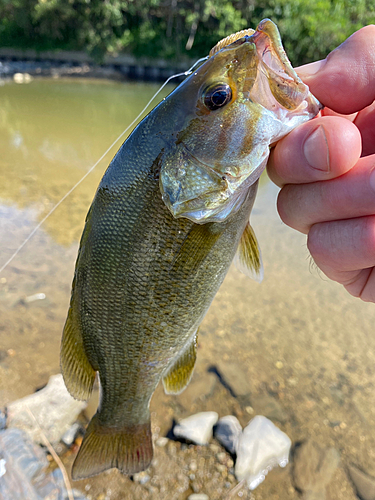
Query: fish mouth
[274, 68]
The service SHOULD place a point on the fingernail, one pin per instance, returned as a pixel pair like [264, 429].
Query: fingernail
[316, 150]
[310, 69]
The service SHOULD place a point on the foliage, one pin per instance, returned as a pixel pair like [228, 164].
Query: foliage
[177, 28]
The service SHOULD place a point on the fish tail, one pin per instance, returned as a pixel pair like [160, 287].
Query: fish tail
[128, 448]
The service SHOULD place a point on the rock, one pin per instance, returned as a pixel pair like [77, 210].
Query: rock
[314, 466]
[198, 496]
[70, 435]
[364, 484]
[197, 428]
[269, 407]
[3, 419]
[53, 408]
[22, 475]
[234, 378]
[340, 486]
[141, 477]
[260, 448]
[227, 432]
[22, 78]
[314, 495]
[200, 387]
[162, 441]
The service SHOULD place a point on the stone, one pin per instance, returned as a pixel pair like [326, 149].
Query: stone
[269, 407]
[70, 435]
[364, 484]
[197, 428]
[3, 419]
[198, 496]
[314, 466]
[314, 495]
[162, 441]
[261, 447]
[200, 388]
[53, 408]
[235, 379]
[227, 432]
[141, 477]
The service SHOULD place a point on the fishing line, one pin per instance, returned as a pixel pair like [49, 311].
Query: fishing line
[185, 73]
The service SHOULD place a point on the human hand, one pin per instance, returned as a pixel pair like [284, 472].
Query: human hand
[326, 167]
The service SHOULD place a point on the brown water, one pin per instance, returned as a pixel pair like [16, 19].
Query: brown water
[297, 338]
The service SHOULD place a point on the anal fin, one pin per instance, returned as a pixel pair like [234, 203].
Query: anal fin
[248, 258]
[128, 448]
[78, 374]
[180, 373]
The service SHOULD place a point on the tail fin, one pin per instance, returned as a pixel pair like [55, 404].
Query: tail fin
[127, 448]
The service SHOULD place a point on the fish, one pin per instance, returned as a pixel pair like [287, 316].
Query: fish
[169, 216]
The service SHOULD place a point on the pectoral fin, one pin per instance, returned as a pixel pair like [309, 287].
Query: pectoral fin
[179, 374]
[76, 369]
[248, 258]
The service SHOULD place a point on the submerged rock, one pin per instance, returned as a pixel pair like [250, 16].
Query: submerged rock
[228, 431]
[261, 447]
[364, 484]
[197, 428]
[200, 388]
[53, 408]
[269, 407]
[314, 468]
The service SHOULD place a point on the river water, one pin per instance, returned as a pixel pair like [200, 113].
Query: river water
[296, 346]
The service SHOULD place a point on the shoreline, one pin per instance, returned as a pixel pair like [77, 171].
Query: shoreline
[16, 64]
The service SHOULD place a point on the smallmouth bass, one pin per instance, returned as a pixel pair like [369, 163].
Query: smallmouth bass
[166, 222]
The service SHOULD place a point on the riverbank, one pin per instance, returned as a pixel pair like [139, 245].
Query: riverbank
[79, 64]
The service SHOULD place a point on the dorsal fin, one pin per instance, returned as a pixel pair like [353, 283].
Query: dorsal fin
[248, 258]
[230, 39]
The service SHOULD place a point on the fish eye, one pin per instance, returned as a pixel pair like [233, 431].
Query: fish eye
[216, 96]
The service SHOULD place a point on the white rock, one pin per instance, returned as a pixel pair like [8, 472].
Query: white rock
[228, 431]
[53, 408]
[162, 441]
[198, 496]
[261, 447]
[69, 436]
[197, 428]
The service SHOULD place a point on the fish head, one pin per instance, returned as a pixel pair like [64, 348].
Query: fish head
[242, 100]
